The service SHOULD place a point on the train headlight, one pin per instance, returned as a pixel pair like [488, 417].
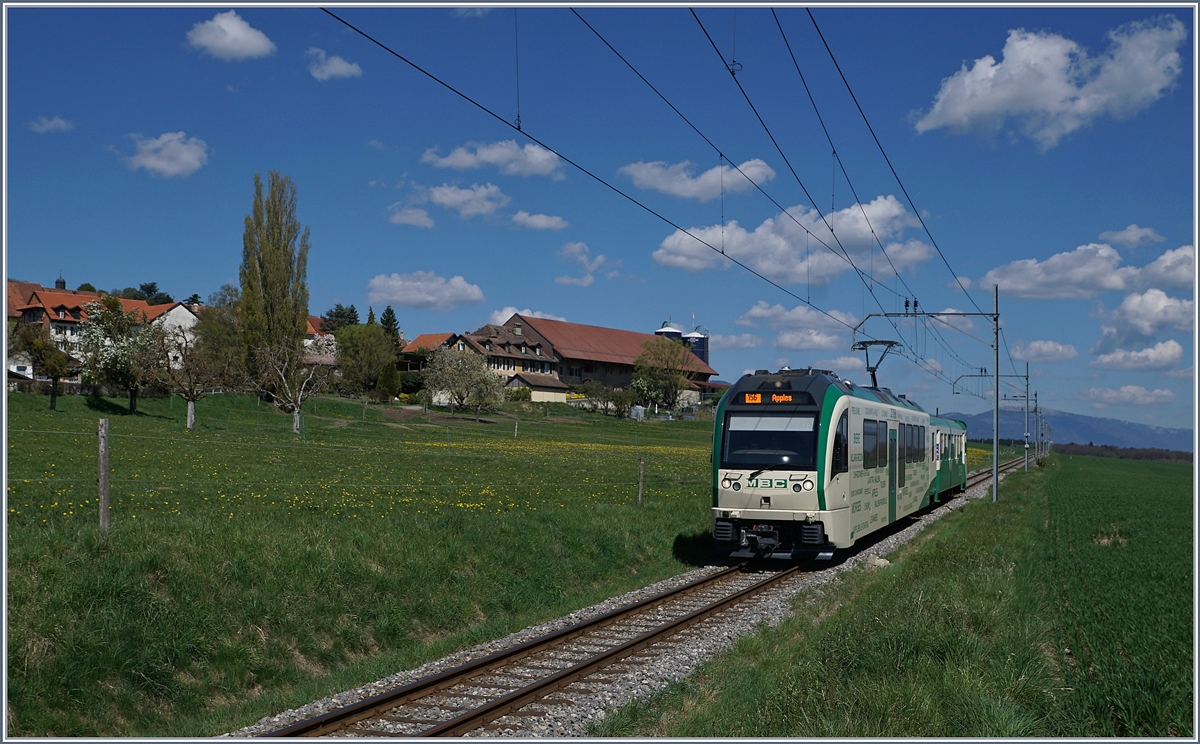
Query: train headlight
[808, 485]
[726, 483]
[796, 487]
[737, 486]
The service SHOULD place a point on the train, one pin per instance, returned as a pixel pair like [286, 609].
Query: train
[806, 463]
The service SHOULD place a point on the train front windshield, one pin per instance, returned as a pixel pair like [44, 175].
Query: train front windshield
[753, 442]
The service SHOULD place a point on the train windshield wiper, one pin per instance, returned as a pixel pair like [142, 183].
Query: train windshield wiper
[757, 473]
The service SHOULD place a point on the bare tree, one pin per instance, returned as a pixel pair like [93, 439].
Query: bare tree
[192, 370]
[289, 376]
[44, 356]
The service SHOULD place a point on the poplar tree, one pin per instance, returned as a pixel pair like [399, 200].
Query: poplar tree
[392, 325]
[274, 296]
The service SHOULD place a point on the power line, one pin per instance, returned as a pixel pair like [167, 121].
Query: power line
[888, 161]
[720, 153]
[853, 191]
[572, 163]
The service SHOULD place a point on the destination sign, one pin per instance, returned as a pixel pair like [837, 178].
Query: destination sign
[757, 398]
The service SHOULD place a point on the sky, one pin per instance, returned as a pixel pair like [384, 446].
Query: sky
[858, 158]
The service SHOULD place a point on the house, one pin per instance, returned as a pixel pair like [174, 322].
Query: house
[547, 356]
[62, 310]
[415, 352]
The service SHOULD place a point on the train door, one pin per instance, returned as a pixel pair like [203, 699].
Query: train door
[891, 445]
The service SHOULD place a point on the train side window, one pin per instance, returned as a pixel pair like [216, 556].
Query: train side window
[881, 443]
[840, 450]
[923, 457]
[869, 443]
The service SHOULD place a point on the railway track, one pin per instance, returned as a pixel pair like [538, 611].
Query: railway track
[500, 690]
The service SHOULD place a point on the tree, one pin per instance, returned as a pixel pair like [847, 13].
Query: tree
[218, 332]
[85, 287]
[370, 315]
[363, 351]
[665, 365]
[151, 294]
[339, 317]
[274, 288]
[119, 347]
[192, 299]
[288, 378]
[389, 381]
[44, 356]
[455, 373]
[392, 325]
[192, 369]
[487, 391]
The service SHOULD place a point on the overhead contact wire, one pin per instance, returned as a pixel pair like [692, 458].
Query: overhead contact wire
[573, 164]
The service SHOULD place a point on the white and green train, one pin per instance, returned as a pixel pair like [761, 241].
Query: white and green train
[805, 463]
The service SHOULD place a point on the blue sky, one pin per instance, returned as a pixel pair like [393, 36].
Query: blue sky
[1050, 151]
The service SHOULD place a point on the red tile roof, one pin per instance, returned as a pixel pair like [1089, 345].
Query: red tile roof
[540, 381]
[426, 341]
[595, 343]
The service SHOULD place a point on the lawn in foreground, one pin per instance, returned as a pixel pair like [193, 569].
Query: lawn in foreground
[249, 570]
[1063, 610]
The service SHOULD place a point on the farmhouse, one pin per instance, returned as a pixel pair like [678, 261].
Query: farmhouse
[549, 355]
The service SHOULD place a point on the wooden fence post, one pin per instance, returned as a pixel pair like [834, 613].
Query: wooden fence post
[103, 474]
[641, 476]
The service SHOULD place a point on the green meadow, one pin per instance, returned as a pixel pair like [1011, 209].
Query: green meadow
[249, 570]
[1065, 609]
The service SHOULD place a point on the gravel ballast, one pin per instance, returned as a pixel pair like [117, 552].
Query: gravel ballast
[633, 679]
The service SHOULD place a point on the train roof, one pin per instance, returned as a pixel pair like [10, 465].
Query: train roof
[815, 382]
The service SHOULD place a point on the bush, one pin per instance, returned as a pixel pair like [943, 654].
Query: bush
[518, 394]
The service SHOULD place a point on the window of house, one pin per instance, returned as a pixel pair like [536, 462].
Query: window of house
[524, 350]
[62, 313]
[537, 350]
[461, 346]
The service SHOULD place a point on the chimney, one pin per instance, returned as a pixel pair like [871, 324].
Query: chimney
[517, 329]
[60, 283]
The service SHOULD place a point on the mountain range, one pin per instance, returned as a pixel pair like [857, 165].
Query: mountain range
[1078, 429]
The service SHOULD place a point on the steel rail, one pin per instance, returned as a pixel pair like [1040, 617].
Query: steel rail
[368, 707]
[500, 707]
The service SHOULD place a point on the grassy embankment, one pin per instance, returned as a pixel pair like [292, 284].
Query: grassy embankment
[249, 570]
[1063, 610]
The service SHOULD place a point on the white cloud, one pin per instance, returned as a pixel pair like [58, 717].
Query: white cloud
[42, 125]
[1043, 351]
[1051, 87]
[780, 249]
[475, 200]
[740, 341]
[230, 38]
[510, 158]
[579, 252]
[677, 179]
[498, 317]
[843, 364]
[1079, 274]
[169, 154]
[800, 327]
[1160, 356]
[1152, 311]
[958, 322]
[423, 289]
[376, 144]
[474, 12]
[1127, 395]
[1174, 269]
[402, 215]
[931, 365]
[539, 221]
[1132, 236]
[324, 67]
[1182, 374]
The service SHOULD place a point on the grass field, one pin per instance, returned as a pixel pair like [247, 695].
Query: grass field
[1063, 610]
[249, 570]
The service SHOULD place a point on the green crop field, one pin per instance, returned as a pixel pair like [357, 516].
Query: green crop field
[1065, 609]
[249, 570]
